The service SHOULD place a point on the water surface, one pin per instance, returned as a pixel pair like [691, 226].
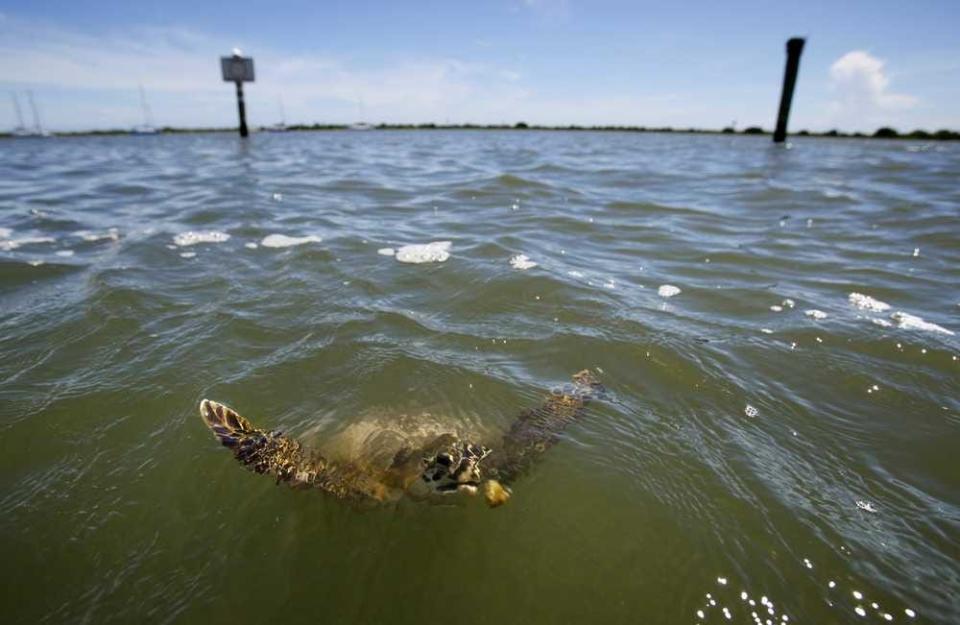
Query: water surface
[808, 463]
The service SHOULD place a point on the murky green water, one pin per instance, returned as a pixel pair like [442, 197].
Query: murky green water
[841, 491]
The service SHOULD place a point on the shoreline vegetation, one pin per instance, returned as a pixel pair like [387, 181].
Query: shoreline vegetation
[881, 133]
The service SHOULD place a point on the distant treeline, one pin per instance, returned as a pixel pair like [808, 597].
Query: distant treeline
[881, 133]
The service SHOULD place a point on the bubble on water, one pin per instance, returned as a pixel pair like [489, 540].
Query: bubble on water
[832, 584]
[887, 616]
[776, 308]
[750, 411]
[277, 197]
[522, 262]
[916, 252]
[722, 581]
[726, 613]
[815, 314]
[744, 595]
[386, 251]
[667, 290]
[807, 563]
[788, 303]
[766, 330]
[699, 614]
[860, 611]
[819, 340]
[909, 612]
[250, 245]
[713, 602]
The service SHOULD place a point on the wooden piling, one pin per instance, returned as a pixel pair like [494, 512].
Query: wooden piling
[242, 109]
[794, 50]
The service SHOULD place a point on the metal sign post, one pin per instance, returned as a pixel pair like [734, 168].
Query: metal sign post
[238, 69]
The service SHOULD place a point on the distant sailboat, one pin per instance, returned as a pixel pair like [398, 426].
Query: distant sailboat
[147, 127]
[282, 126]
[20, 130]
[37, 130]
[361, 125]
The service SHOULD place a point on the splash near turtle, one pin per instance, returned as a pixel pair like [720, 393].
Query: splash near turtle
[447, 464]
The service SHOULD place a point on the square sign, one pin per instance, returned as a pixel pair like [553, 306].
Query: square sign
[237, 68]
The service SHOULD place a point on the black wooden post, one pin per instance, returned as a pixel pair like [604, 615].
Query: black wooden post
[242, 109]
[794, 49]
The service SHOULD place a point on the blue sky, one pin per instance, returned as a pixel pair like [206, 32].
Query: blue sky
[702, 64]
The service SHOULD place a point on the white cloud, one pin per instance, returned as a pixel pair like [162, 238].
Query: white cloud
[861, 88]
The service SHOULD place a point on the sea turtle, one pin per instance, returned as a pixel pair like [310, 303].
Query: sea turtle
[447, 463]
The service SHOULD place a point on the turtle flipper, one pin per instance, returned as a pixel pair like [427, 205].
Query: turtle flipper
[285, 458]
[538, 429]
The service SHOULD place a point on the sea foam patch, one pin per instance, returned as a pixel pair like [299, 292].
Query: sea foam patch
[282, 240]
[192, 237]
[111, 234]
[433, 252]
[522, 262]
[865, 302]
[912, 322]
[12, 244]
[667, 290]
[815, 314]
[5, 233]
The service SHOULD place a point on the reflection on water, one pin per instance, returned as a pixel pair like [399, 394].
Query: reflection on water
[776, 329]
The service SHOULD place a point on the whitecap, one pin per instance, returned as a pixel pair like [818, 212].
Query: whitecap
[865, 302]
[193, 237]
[912, 322]
[816, 314]
[187, 254]
[866, 505]
[522, 261]
[282, 240]
[579, 274]
[386, 251]
[667, 290]
[12, 244]
[433, 252]
[883, 323]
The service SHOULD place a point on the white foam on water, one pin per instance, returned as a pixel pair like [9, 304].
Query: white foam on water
[815, 314]
[110, 235]
[386, 251]
[610, 284]
[857, 595]
[916, 252]
[192, 237]
[578, 274]
[278, 197]
[282, 240]
[667, 290]
[751, 412]
[912, 322]
[722, 581]
[860, 611]
[865, 302]
[5, 233]
[35, 263]
[187, 254]
[766, 330]
[883, 323]
[433, 252]
[522, 262]
[909, 612]
[776, 308]
[250, 245]
[65, 253]
[12, 244]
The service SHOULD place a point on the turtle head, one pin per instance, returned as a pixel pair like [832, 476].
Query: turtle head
[455, 468]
